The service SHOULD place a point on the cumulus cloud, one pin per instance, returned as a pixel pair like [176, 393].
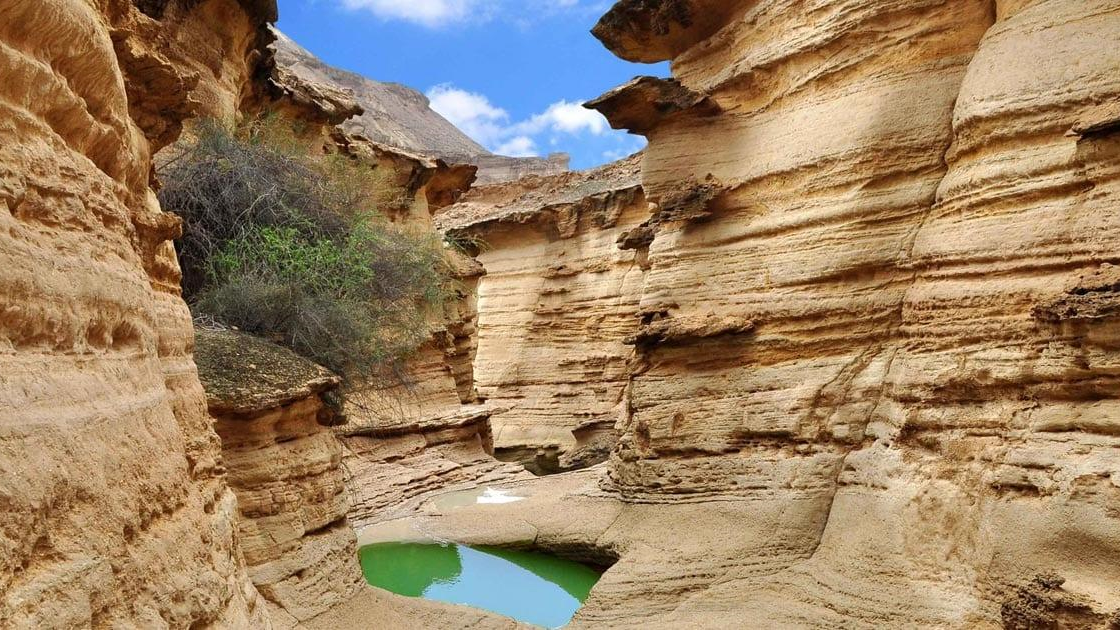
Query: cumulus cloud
[566, 117]
[518, 146]
[439, 13]
[472, 113]
[492, 127]
[562, 126]
[431, 13]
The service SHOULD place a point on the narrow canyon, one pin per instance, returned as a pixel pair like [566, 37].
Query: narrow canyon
[840, 348]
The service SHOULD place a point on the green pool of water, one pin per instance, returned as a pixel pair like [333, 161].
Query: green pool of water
[535, 588]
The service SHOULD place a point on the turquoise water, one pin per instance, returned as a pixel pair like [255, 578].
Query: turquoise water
[532, 587]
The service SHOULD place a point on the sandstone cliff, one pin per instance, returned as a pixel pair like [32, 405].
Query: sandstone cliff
[421, 435]
[398, 116]
[118, 510]
[556, 301]
[878, 305]
[115, 511]
[873, 372]
[303, 487]
[272, 413]
[870, 336]
[426, 433]
[275, 412]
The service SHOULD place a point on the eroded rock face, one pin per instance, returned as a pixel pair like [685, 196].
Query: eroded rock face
[912, 206]
[115, 509]
[557, 299]
[656, 30]
[418, 431]
[284, 465]
[429, 434]
[116, 506]
[392, 468]
[500, 168]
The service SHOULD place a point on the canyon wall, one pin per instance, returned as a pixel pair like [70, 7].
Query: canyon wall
[117, 501]
[861, 351]
[425, 430]
[429, 432]
[414, 432]
[880, 309]
[115, 508]
[273, 412]
[499, 168]
[558, 297]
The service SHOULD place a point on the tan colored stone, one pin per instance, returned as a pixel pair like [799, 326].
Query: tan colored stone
[115, 511]
[556, 301]
[915, 201]
[284, 465]
[390, 470]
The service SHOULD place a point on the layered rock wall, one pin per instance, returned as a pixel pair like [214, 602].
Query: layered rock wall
[419, 430]
[428, 433]
[272, 412]
[557, 300]
[436, 380]
[391, 469]
[117, 508]
[115, 511]
[878, 309]
[414, 431]
[499, 168]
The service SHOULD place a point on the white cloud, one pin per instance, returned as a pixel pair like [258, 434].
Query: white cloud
[440, 13]
[472, 113]
[566, 117]
[492, 127]
[431, 13]
[518, 146]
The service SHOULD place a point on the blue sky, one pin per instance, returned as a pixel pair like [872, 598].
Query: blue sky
[510, 73]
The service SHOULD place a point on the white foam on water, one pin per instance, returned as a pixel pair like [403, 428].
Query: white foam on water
[491, 495]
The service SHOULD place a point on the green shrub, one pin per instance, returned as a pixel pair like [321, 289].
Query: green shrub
[290, 247]
[465, 242]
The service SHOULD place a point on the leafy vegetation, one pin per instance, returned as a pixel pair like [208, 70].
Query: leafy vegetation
[291, 247]
[466, 243]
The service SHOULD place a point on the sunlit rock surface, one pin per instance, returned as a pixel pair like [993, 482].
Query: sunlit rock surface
[557, 299]
[870, 377]
[272, 413]
[883, 235]
[115, 509]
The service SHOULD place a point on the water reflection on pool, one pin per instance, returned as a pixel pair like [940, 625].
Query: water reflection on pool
[531, 587]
